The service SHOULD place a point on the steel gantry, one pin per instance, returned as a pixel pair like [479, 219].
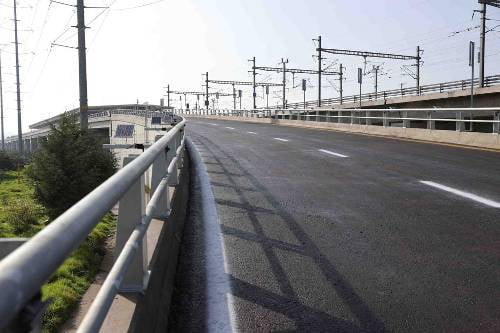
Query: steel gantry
[244, 83]
[367, 54]
[193, 93]
[285, 70]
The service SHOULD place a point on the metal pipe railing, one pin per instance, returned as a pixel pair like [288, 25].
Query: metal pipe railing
[25, 270]
[97, 312]
[432, 115]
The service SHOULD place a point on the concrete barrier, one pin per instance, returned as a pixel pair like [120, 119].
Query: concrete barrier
[471, 139]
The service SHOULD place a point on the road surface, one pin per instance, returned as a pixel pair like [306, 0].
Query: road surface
[329, 231]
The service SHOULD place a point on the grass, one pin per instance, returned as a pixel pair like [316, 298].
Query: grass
[22, 216]
[72, 279]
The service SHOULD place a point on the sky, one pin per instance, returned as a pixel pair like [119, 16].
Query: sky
[136, 47]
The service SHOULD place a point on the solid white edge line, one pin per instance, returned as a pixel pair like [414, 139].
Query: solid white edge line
[280, 139]
[332, 153]
[463, 194]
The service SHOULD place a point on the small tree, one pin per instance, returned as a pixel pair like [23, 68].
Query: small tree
[69, 165]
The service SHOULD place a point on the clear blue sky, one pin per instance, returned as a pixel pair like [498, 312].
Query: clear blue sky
[134, 53]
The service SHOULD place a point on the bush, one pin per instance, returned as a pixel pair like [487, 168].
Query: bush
[69, 165]
[10, 161]
[22, 215]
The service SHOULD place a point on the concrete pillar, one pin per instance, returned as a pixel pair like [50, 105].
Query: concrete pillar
[130, 212]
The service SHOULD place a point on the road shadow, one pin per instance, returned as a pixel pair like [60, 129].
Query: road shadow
[287, 302]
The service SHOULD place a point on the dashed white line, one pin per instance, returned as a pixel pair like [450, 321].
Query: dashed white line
[231, 128]
[251, 133]
[280, 139]
[463, 194]
[332, 153]
[213, 124]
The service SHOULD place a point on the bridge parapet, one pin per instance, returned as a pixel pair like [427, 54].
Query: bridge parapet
[24, 271]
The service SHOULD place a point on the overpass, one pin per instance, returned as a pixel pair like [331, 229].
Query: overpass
[103, 121]
[289, 221]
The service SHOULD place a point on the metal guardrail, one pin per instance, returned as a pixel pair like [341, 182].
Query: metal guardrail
[409, 91]
[24, 271]
[381, 117]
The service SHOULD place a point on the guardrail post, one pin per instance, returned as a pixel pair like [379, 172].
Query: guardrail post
[172, 148]
[496, 124]
[130, 212]
[159, 170]
[406, 122]
[368, 120]
[459, 123]
[317, 115]
[431, 124]
[385, 121]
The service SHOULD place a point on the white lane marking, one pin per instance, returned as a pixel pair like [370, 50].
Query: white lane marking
[213, 124]
[332, 153]
[463, 194]
[280, 139]
[251, 133]
[231, 128]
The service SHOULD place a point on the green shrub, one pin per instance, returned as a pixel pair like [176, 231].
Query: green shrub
[69, 165]
[22, 215]
[10, 161]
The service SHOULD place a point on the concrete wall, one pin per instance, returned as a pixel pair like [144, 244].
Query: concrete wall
[473, 139]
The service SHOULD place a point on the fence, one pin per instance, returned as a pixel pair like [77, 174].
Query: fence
[24, 271]
[425, 89]
[486, 119]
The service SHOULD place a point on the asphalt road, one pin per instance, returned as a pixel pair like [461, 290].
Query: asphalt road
[328, 231]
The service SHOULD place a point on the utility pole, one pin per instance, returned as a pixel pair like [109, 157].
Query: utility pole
[482, 46]
[376, 69]
[360, 81]
[82, 64]
[341, 79]
[304, 90]
[471, 64]
[1, 103]
[267, 97]
[168, 95]
[234, 98]
[206, 91]
[319, 72]
[18, 84]
[418, 70]
[254, 92]
[284, 81]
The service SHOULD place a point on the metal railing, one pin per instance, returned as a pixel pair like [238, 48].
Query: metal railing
[409, 91]
[406, 118]
[25, 270]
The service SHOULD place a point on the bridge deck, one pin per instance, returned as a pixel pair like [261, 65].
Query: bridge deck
[326, 231]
